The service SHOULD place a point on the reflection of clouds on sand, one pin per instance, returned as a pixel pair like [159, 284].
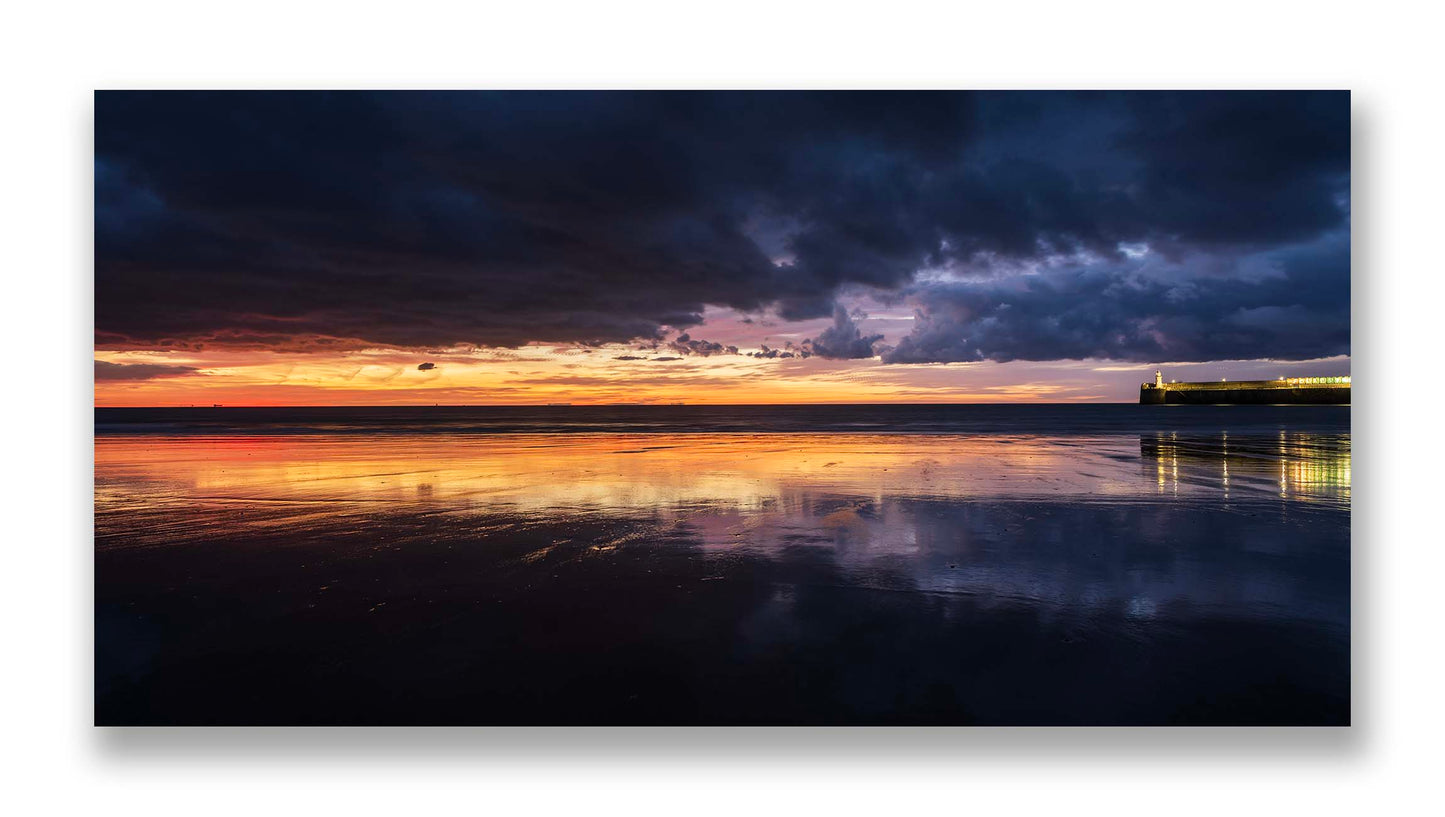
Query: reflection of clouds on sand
[1067, 522]
[612, 472]
[739, 483]
[1019, 579]
[722, 484]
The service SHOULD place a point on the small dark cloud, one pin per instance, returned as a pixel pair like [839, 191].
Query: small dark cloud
[629, 357]
[768, 353]
[665, 359]
[426, 367]
[685, 344]
[105, 370]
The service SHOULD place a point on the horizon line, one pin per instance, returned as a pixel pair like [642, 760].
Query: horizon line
[629, 405]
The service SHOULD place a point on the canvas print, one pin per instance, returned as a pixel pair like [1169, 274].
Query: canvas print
[722, 408]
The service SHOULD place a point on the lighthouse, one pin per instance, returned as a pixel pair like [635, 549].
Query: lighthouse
[1158, 379]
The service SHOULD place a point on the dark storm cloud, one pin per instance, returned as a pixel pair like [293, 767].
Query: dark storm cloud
[1124, 313]
[330, 221]
[843, 340]
[105, 370]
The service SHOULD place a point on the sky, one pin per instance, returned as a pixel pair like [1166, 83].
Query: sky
[309, 248]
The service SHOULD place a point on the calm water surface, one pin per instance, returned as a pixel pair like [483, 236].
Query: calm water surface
[999, 565]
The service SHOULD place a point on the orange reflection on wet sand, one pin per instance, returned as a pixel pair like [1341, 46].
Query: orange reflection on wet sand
[535, 472]
[469, 570]
[567, 473]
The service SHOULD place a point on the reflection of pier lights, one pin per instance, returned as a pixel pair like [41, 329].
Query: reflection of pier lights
[1299, 464]
[1166, 462]
[1224, 464]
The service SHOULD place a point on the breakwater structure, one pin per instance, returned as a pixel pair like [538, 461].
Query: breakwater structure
[1333, 390]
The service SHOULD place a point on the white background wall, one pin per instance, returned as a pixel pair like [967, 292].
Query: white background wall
[55, 54]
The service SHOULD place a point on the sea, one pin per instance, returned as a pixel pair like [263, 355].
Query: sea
[723, 565]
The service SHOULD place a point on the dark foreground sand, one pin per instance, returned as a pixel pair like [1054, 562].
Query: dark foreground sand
[723, 578]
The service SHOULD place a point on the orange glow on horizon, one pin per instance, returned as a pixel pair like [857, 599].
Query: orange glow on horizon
[608, 375]
[539, 375]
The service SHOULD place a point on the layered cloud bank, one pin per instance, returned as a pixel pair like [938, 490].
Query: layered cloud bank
[1016, 226]
[106, 370]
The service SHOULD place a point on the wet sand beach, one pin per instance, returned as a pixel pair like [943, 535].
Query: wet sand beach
[1190, 569]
